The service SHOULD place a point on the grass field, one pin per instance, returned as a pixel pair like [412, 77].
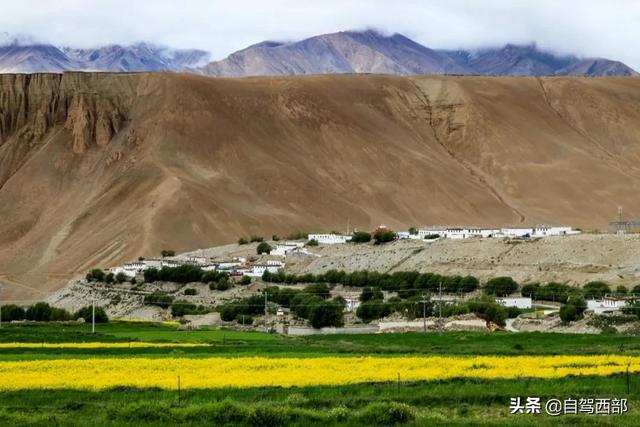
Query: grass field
[476, 400]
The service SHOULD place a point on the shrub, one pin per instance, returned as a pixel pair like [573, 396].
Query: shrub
[242, 241]
[372, 310]
[326, 313]
[244, 319]
[468, 284]
[636, 290]
[431, 236]
[190, 291]
[168, 252]
[381, 237]
[268, 416]
[275, 238]
[413, 231]
[121, 277]
[257, 239]
[214, 276]
[222, 285]
[595, 290]
[245, 280]
[263, 248]
[312, 242]
[360, 237]
[501, 286]
[621, 290]
[568, 313]
[151, 275]
[369, 294]
[181, 274]
[159, 298]
[181, 307]
[86, 312]
[95, 275]
[40, 312]
[109, 278]
[387, 413]
[12, 312]
[298, 235]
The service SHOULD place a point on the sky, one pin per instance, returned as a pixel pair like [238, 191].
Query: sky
[605, 28]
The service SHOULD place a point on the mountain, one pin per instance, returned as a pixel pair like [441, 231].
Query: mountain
[373, 52]
[337, 53]
[344, 52]
[19, 55]
[528, 60]
[100, 168]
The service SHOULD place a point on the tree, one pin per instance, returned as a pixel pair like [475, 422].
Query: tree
[95, 275]
[12, 312]
[159, 298]
[151, 275]
[501, 286]
[242, 241]
[190, 291]
[86, 313]
[257, 239]
[312, 242]
[413, 231]
[371, 310]
[468, 284]
[621, 290]
[326, 313]
[263, 248]
[595, 290]
[568, 313]
[319, 289]
[40, 312]
[360, 237]
[636, 290]
[168, 252]
[369, 294]
[180, 308]
[384, 236]
[109, 278]
[121, 277]
[246, 280]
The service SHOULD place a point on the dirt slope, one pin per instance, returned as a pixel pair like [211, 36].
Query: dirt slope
[100, 168]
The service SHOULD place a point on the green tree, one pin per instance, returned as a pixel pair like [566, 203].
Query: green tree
[312, 242]
[621, 290]
[242, 241]
[360, 237]
[159, 298]
[40, 312]
[121, 277]
[595, 290]
[168, 252]
[568, 313]
[468, 284]
[151, 275]
[86, 313]
[180, 308]
[371, 310]
[501, 286]
[275, 238]
[369, 293]
[257, 239]
[263, 248]
[12, 312]
[326, 313]
[413, 231]
[381, 237]
[246, 280]
[109, 278]
[95, 275]
[191, 291]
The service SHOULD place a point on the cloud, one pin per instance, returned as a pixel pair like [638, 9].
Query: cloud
[583, 27]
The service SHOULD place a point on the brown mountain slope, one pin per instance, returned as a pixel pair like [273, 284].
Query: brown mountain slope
[97, 168]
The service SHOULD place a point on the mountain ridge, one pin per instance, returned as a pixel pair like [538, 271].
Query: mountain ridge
[342, 52]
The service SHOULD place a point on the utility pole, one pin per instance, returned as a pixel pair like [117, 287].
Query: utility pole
[424, 314]
[266, 313]
[93, 313]
[440, 300]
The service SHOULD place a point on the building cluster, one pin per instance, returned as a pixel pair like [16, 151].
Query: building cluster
[237, 266]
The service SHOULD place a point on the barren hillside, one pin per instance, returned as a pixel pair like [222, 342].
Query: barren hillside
[100, 168]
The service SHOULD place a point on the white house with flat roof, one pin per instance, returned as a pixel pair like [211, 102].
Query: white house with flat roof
[519, 302]
[330, 238]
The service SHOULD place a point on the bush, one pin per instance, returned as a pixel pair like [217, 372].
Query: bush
[263, 248]
[244, 319]
[12, 312]
[109, 278]
[360, 237]
[222, 285]
[245, 280]
[151, 275]
[468, 284]
[372, 310]
[501, 286]
[180, 308]
[95, 275]
[369, 294]
[489, 310]
[636, 290]
[190, 291]
[86, 312]
[431, 236]
[568, 313]
[257, 239]
[181, 274]
[243, 241]
[268, 416]
[298, 235]
[40, 312]
[312, 242]
[275, 238]
[121, 277]
[621, 290]
[214, 276]
[158, 298]
[595, 290]
[326, 313]
[168, 252]
[387, 413]
[381, 237]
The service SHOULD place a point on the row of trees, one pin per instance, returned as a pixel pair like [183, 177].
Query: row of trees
[98, 275]
[184, 274]
[43, 312]
[409, 283]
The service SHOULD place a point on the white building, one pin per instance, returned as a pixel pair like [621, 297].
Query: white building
[519, 302]
[605, 305]
[352, 304]
[282, 249]
[330, 239]
[257, 270]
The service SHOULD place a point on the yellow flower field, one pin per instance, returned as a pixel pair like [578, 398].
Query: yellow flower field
[217, 372]
[133, 344]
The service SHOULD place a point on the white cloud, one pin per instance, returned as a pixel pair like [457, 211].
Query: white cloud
[585, 27]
